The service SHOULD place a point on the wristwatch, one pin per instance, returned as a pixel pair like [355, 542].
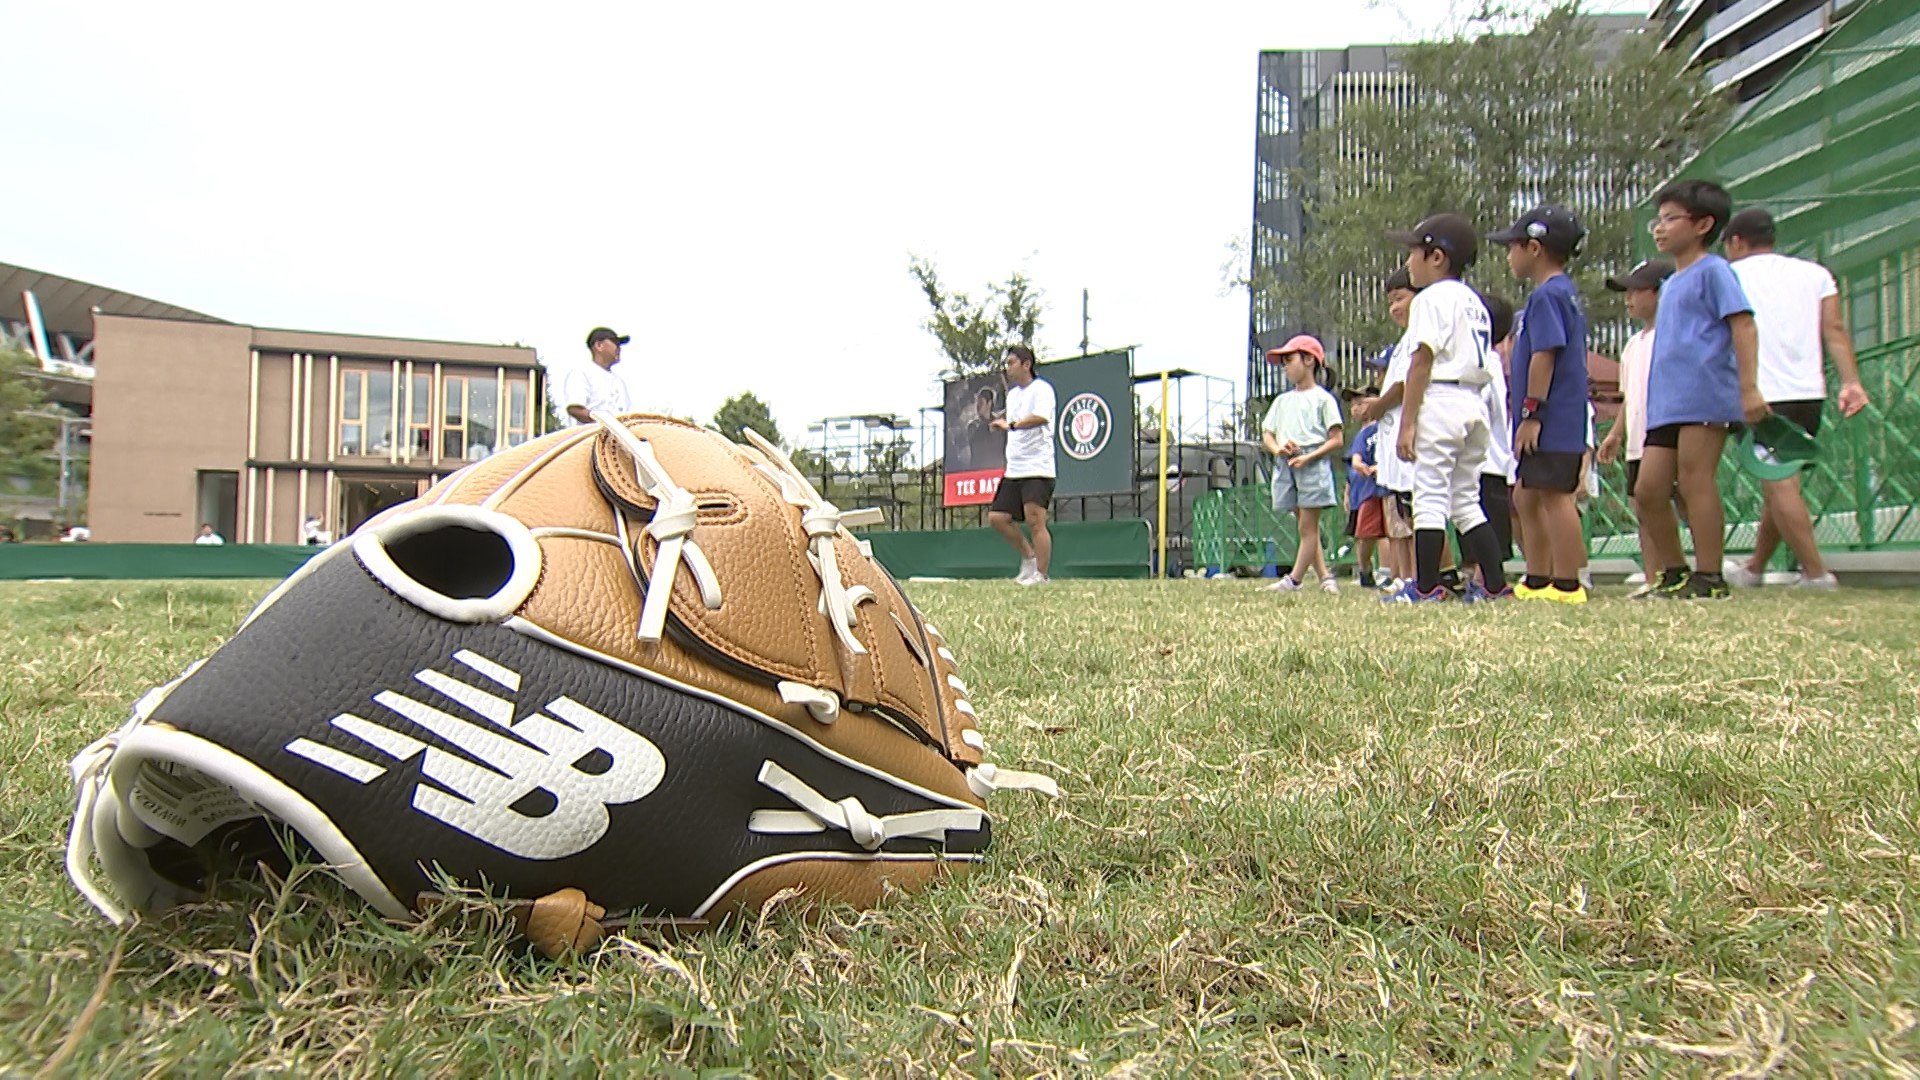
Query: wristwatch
[1530, 409]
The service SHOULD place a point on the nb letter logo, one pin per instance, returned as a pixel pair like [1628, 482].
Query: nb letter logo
[546, 800]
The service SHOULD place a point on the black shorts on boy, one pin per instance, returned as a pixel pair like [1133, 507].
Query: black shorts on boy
[1550, 470]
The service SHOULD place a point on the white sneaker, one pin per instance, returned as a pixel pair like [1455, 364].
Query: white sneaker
[1586, 577]
[1028, 568]
[1638, 577]
[1329, 585]
[1738, 575]
[1824, 583]
[1285, 584]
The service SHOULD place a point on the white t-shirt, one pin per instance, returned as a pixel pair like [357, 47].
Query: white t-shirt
[599, 390]
[208, 539]
[1395, 475]
[1030, 449]
[1450, 319]
[1500, 461]
[1786, 295]
[1636, 361]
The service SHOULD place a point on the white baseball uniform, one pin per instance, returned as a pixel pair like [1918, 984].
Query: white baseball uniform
[1452, 436]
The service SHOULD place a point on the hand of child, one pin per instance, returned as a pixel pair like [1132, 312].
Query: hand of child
[1404, 444]
[1366, 470]
[1608, 450]
[1526, 438]
[1289, 448]
[1753, 406]
[1298, 460]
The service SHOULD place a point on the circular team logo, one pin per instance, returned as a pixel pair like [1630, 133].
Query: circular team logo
[1085, 425]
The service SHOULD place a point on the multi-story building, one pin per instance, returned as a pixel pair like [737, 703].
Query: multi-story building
[254, 430]
[1746, 46]
[1301, 90]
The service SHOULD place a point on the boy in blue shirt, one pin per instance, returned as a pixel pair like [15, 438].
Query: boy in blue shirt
[1704, 379]
[1366, 519]
[1547, 402]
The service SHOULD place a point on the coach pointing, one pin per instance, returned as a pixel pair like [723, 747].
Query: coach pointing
[1026, 490]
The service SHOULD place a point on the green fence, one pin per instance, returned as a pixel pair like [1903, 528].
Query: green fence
[1864, 491]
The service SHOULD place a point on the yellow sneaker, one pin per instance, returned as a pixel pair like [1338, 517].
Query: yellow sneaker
[1577, 596]
[1523, 591]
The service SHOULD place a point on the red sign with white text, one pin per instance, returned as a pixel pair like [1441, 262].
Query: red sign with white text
[972, 488]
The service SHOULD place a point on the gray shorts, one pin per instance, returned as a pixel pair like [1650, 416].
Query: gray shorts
[1309, 488]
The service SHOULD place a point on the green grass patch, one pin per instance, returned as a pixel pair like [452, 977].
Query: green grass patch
[1300, 834]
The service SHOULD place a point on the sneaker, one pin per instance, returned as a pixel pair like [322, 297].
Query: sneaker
[1028, 568]
[1559, 596]
[1738, 575]
[1478, 594]
[1701, 587]
[1524, 591]
[1392, 585]
[1645, 590]
[1329, 585]
[1410, 594]
[1586, 577]
[1638, 577]
[1285, 584]
[1671, 587]
[1036, 578]
[1824, 583]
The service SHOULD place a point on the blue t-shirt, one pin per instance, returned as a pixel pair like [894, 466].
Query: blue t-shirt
[1363, 487]
[1553, 322]
[1694, 378]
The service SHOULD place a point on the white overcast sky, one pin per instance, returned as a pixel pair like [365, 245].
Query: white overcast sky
[737, 185]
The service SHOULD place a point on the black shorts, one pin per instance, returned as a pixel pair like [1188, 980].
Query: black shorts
[1633, 481]
[1497, 504]
[1667, 436]
[1013, 497]
[1353, 522]
[1551, 470]
[1805, 414]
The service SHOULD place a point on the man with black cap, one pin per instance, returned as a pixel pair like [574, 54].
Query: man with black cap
[592, 387]
[1796, 310]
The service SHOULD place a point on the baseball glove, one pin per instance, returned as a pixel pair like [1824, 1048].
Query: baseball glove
[627, 672]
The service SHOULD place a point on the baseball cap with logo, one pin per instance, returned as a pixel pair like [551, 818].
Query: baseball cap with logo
[1646, 275]
[1556, 227]
[1450, 233]
[600, 333]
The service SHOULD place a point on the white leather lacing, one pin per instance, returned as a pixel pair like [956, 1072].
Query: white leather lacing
[984, 780]
[822, 704]
[822, 521]
[89, 768]
[674, 515]
[818, 813]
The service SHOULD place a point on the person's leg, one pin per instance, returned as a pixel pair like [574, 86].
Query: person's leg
[1786, 511]
[1698, 461]
[1364, 554]
[1309, 555]
[1766, 538]
[1002, 523]
[1534, 545]
[1654, 493]
[1042, 539]
[1560, 513]
[1469, 517]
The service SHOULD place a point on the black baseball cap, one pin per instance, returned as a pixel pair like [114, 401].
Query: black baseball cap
[1450, 233]
[1556, 227]
[1647, 275]
[1352, 392]
[601, 333]
[1399, 280]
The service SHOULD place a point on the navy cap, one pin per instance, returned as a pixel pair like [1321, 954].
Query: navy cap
[1450, 233]
[1556, 227]
[600, 333]
[1647, 275]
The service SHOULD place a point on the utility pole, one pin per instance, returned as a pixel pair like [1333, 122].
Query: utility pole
[1083, 322]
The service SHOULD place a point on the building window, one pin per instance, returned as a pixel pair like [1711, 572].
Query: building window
[518, 414]
[483, 417]
[453, 427]
[366, 412]
[420, 417]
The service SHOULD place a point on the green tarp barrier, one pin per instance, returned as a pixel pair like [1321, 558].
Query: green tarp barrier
[27, 562]
[1081, 549]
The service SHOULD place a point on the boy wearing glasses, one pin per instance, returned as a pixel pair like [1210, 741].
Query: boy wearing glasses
[1704, 379]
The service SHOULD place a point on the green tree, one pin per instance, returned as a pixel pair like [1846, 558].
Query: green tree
[974, 334]
[743, 411]
[28, 429]
[1489, 126]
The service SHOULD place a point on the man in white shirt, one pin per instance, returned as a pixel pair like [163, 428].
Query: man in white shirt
[592, 387]
[1796, 309]
[1026, 489]
[208, 537]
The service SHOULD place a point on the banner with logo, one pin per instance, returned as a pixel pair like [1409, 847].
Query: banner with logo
[1093, 429]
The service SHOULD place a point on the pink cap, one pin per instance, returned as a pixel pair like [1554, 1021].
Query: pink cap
[1305, 343]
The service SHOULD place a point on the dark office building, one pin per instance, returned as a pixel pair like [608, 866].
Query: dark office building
[1746, 45]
